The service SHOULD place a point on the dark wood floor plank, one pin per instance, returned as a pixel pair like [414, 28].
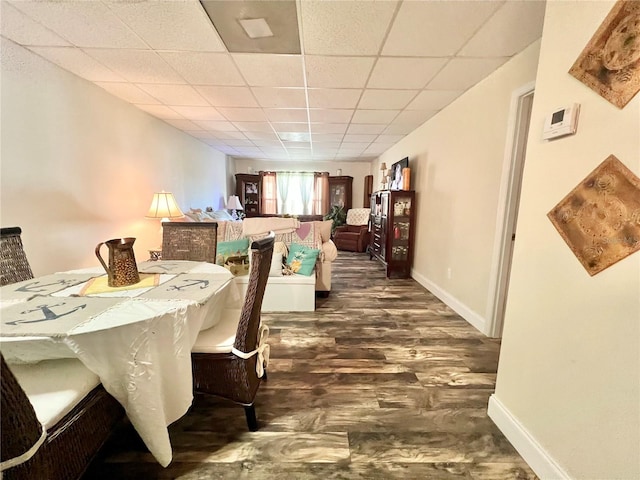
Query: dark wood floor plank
[383, 381]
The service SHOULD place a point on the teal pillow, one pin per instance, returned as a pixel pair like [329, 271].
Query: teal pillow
[235, 248]
[302, 259]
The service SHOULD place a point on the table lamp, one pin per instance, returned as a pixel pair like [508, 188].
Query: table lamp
[234, 205]
[383, 169]
[164, 207]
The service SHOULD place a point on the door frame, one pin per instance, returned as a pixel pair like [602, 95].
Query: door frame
[508, 199]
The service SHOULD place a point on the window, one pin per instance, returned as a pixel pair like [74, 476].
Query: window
[295, 193]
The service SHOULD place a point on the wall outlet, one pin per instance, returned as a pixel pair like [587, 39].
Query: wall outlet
[449, 273]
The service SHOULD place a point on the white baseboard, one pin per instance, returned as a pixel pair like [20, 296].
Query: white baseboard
[460, 308]
[527, 446]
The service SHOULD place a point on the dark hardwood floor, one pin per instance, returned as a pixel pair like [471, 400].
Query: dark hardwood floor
[382, 381]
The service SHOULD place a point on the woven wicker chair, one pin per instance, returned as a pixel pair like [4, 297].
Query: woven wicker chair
[195, 241]
[14, 266]
[69, 446]
[225, 373]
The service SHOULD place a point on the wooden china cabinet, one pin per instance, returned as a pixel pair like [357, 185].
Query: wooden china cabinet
[340, 191]
[393, 230]
[248, 191]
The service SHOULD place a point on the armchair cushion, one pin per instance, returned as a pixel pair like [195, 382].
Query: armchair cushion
[358, 216]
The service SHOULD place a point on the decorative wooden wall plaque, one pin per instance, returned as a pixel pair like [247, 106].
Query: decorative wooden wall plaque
[610, 63]
[600, 218]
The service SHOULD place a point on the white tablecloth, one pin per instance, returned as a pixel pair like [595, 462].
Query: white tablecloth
[137, 341]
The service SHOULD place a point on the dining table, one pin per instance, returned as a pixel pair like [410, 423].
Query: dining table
[137, 338]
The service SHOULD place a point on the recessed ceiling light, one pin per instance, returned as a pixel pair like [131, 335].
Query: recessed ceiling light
[294, 136]
[256, 27]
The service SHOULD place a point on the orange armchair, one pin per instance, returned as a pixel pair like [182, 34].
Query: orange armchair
[354, 236]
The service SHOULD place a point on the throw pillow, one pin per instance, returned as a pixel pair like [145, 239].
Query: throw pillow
[302, 259]
[276, 265]
[235, 248]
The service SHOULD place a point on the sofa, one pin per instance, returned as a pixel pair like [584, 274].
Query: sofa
[284, 292]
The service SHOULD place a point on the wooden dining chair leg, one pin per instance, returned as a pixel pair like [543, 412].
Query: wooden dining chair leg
[252, 421]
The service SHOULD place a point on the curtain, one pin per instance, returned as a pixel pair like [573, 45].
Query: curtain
[283, 179]
[269, 193]
[321, 193]
[306, 184]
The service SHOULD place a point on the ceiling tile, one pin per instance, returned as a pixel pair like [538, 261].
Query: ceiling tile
[253, 126]
[513, 27]
[286, 114]
[433, 99]
[239, 143]
[174, 94]
[359, 138]
[333, 97]
[216, 125]
[155, 22]
[298, 137]
[463, 73]
[182, 124]
[386, 99]
[269, 97]
[330, 116]
[128, 92]
[432, 29]
[414, 117]
[270, 70]
[338, 72]
[160, 111]
[389, 138]
[346, 27]
[355, 128]
[374, 116]
[400, 128]
[84, 24]
[329, 127]
[281, 17]
[271, 141]
[200, 68]
[139, 66]
[76, 61]
[230, 135]
[21, 29]
[404, 73]
[199, 113]
[228, 96]
[291, 127]
[327, 137]
[243, 114]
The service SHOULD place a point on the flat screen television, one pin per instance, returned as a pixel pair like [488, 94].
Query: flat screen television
[395, 182]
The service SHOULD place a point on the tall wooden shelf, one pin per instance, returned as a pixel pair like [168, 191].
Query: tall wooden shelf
[393, 230]
[340, 191]
[248, 191]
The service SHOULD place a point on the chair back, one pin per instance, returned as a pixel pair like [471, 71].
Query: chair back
[247, 333]
[21, 429]
[14, 266]
[195, 241]
[358, 216]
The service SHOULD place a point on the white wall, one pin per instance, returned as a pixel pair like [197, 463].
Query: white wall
[568, 386]
[79, 166]
[357, 170]
[456, 160]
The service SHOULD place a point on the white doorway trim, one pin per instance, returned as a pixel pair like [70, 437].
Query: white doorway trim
[508, 199]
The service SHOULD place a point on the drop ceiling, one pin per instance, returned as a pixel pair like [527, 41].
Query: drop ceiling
[370, 72]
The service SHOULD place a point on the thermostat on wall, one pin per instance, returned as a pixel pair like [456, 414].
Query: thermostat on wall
[563, 121]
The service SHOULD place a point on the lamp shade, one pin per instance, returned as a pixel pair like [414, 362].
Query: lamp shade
[234, 203]
[163, 205]
[383, 166]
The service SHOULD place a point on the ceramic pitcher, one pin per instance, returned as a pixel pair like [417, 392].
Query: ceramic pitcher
[122, 269]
